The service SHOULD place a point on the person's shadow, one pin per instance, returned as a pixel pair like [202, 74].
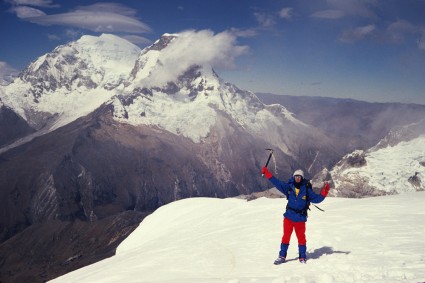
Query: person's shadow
[319, 252]
[324, 251]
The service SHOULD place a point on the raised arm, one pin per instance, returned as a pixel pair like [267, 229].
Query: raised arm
[317, 198]
[280, 185]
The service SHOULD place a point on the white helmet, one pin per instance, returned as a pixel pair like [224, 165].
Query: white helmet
[299, 172]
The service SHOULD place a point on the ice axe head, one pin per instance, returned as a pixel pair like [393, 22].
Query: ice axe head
[270, 156]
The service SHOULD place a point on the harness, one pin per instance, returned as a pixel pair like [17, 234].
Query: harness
[303, 212]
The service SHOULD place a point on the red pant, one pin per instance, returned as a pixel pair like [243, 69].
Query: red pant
[288, 227]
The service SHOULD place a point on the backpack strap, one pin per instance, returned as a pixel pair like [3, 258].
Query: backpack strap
[310, 186]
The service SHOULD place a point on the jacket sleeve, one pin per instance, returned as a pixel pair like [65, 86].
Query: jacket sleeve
[315, 198]
[280, 185]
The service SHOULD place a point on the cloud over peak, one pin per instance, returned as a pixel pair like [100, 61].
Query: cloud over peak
[192, 47]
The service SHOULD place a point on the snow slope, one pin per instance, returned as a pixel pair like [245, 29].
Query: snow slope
[387, 169]
[231, 240]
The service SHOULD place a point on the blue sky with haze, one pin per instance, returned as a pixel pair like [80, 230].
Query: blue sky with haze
[371, 50]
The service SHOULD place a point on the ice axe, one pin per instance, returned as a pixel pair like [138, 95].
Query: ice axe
[270, 156]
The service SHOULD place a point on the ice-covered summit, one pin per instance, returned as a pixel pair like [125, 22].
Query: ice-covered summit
[72, 80]
[171, 84]
[174, 86]
[89, 62]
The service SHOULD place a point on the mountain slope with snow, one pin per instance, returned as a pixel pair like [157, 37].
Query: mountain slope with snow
[161, 86]
[71, 81]
[183, 95]
[395, 165]
[393, 169]
[230, 240]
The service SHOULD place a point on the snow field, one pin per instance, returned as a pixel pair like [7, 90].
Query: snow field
[232, 240]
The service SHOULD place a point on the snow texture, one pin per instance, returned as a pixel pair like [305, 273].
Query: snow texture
[390, 168]
[231, 240]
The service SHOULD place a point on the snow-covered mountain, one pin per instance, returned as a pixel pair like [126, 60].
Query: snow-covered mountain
[71, 81]
[231, 240]
[77, 78]
[191, 103]
[395, 165]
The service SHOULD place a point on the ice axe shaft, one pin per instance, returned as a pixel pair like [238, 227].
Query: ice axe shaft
[270, 156]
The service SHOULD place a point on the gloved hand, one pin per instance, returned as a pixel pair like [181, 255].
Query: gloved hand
[325, 189]
[266, 172]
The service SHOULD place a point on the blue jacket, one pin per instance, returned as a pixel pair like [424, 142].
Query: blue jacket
[296, 203]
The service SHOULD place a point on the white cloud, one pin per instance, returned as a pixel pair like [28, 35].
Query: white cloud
[356, 34]
[109, 7]
[328, 14]
[286, 13]
[264, 19]
[99, 17]
[397, 31]
[196, 48]
[7, 73]
[35, 3]
[53, 37]
[72, 33]
[138, 40]
[400, 30]
[244, 32]
[421, 42]
[25, 12]
[402, 26]
[94, 21]
[362, 8]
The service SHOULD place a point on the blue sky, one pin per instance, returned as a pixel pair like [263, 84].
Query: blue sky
[372, 50]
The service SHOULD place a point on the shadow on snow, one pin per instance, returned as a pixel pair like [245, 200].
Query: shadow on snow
[324, 251]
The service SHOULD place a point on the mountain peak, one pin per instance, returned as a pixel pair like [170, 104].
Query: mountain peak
[110, 56]
[162, 42]
[77, 75]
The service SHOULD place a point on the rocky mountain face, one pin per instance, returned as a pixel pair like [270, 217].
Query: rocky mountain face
[106, 139]
[12, 126]
[384, 143]
[356, 124]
